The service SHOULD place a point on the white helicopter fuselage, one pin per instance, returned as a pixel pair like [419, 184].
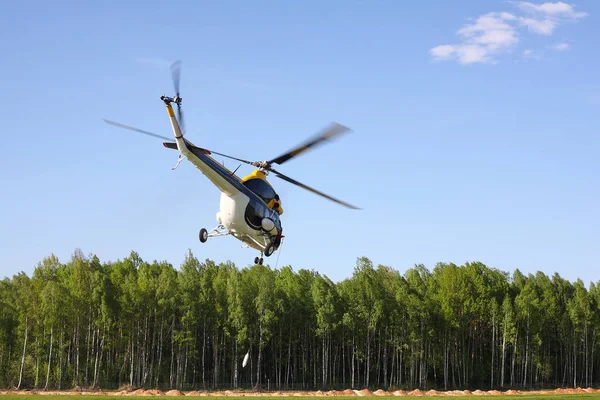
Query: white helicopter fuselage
[231, 216]
[242, 212]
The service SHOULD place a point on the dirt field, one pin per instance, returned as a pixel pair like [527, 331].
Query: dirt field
[347, 392]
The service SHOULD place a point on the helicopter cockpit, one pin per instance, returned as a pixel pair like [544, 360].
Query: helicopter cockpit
[256, 183]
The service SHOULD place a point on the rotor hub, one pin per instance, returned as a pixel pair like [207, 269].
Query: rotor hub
[177, 100]
[263, 166]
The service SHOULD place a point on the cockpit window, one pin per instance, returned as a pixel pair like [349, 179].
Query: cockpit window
[261, 188]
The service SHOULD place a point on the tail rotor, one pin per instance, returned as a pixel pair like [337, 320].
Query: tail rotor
[176, 75]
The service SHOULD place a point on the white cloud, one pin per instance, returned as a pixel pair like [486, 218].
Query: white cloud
[527, 52]
[495, 33]
[543, 27]
[491, 30]
[488, 35]
[561, 46]
[545, 18]
[443, 52]
[554, 9]
[473, 53]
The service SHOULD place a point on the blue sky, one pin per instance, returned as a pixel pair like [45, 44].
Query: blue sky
[475, 130]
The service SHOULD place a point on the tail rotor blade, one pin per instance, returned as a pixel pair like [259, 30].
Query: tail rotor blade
[181, 121]
[176, 74]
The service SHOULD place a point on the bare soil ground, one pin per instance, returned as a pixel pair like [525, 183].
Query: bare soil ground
[347, 392]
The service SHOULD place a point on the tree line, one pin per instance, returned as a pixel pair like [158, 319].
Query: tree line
[132, 322]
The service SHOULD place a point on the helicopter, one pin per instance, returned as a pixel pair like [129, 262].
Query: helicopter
[250, 207]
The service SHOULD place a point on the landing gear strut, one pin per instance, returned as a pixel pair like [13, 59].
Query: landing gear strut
[220, 230]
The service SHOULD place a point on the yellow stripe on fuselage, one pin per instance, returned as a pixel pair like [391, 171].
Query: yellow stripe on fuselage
[170, 111]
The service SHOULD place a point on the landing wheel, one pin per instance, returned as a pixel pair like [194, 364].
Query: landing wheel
[203, 235]
[258, 260]
[269, 249]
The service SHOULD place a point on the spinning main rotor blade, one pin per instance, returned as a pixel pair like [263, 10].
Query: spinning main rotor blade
[137, 130]
[327, 134]
[295, 182]
[171, 140]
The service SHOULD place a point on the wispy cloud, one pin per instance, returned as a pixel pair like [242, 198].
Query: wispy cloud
[541, 27]
[495, 33]
[544, 18]
[561, 46]
[558, 9]
[530, 54]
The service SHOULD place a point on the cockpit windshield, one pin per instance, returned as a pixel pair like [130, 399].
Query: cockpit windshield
[261, 188]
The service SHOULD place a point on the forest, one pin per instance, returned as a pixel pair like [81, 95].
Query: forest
[131, 322]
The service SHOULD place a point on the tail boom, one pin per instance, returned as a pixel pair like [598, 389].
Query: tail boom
[225, 180]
